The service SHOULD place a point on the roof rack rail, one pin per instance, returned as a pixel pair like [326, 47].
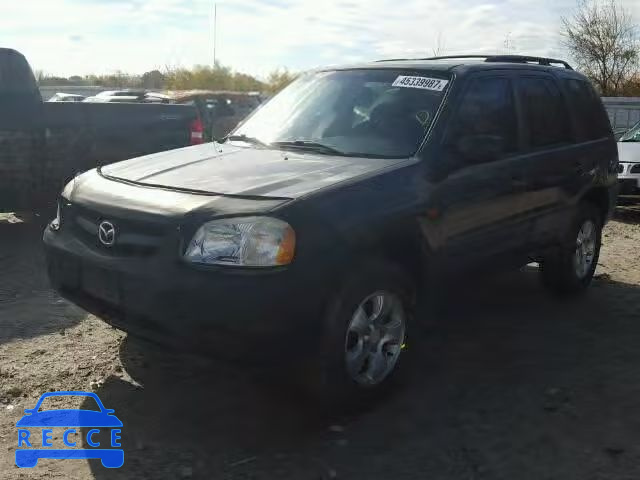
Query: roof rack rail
[394, 60]
[433, 58]
[508, 59]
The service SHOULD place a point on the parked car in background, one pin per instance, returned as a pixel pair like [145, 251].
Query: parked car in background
[48, 91]
[116, 99]
[623, 112]
[219, 111]
[115, 95]
[66, 97]
[128, 96]
[629, 168]
[44, 144]
[304, 238]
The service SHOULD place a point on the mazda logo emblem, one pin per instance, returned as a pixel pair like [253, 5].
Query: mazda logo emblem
[107, 233]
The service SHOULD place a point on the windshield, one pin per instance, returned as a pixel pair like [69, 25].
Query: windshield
[632, 135]
[355, 112]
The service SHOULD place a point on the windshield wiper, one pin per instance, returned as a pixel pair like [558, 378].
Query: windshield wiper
[244, 138]
[309, 145]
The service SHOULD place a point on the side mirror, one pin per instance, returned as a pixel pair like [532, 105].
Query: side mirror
[480, 148]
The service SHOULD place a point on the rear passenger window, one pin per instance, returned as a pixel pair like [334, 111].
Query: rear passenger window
[591, 117]
[545, 113]
[487, 108]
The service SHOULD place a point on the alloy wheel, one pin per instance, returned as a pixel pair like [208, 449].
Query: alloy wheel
[375, 338]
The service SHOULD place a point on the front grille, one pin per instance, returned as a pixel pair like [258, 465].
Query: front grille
[132, 237]
[635, 168]
[620, 168]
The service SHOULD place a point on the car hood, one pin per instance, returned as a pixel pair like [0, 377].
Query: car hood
[629, 152]
[240, 171]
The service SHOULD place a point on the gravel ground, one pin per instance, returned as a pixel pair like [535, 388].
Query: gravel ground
[510, 384]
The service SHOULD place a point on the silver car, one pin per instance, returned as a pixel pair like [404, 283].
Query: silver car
[629, 167]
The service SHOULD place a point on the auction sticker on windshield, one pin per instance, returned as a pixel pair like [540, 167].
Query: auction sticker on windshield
[425, 83]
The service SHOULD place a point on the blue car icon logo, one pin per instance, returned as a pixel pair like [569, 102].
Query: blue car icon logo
[32, 446]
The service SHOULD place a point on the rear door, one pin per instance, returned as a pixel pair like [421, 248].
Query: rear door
[479, 200]
[21, 132]
[552, 165]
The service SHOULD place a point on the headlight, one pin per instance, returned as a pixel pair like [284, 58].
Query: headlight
[247, 242]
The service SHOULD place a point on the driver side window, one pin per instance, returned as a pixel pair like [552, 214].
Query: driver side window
[486, 109]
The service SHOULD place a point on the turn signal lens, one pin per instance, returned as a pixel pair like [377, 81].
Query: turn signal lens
[287, 247]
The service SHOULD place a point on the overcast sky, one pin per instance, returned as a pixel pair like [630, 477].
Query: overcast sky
[67, 37]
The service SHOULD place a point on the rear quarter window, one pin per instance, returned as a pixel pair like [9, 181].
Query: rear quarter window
[545, 113]
[590, 116]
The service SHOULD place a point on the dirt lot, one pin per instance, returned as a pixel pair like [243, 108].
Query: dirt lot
[511, 384]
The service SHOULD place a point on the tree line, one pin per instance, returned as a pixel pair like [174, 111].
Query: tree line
[218, 77]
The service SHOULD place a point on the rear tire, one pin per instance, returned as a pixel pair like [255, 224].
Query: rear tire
[570, 269]
[365, 330]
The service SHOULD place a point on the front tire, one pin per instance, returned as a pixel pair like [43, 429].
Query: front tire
[365, 330]
[570, 270]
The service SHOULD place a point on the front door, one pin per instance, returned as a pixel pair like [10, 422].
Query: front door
[478, 201]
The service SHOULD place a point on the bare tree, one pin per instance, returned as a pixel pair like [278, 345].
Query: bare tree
[603, 39]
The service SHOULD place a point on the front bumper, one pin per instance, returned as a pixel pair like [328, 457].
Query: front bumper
[629, 186]
[236, 314]
[629, 178]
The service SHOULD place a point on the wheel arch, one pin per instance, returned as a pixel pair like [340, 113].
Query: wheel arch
[400, 242]
[600, 198]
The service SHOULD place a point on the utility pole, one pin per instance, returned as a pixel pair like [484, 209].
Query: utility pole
[215, 31]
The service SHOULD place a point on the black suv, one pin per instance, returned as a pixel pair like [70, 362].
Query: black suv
[308, 231]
